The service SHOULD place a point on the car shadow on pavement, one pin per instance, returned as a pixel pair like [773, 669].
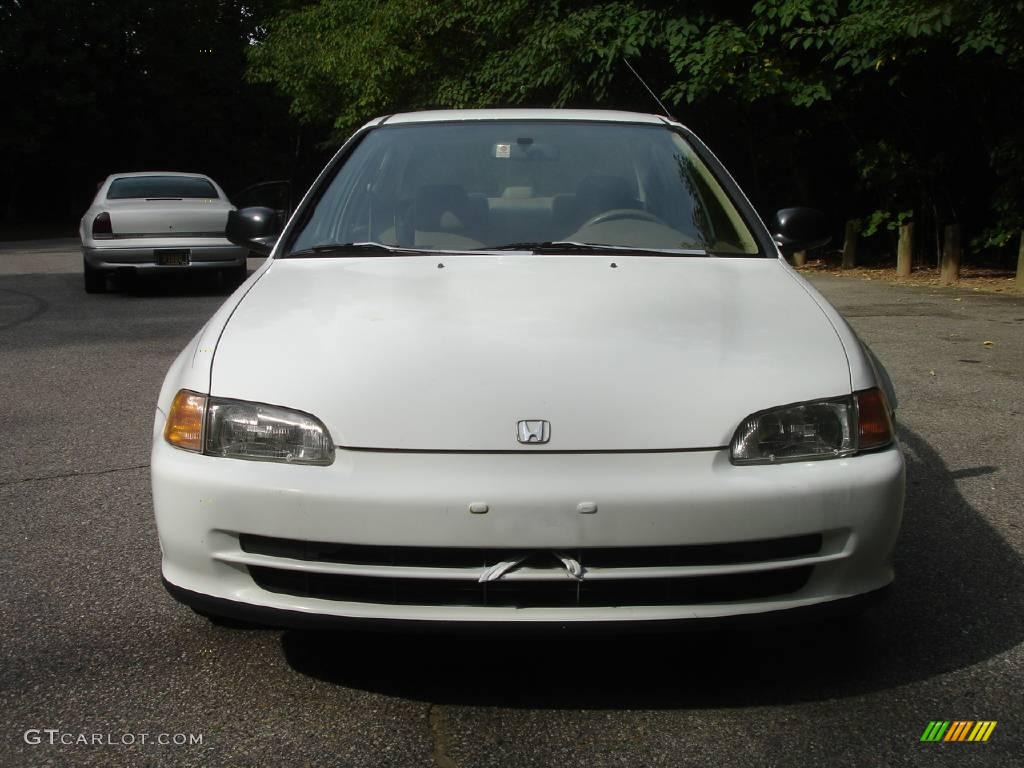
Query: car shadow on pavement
[190, 284]
[955, 603]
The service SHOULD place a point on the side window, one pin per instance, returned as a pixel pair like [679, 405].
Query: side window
[267, 194]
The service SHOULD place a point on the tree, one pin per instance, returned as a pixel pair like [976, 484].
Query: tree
[875, 108]
[129, 85]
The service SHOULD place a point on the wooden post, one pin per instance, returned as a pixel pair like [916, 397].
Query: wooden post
[799, 258]
[850, 245]
[1020, 264]
[905, 250]
[951, 252]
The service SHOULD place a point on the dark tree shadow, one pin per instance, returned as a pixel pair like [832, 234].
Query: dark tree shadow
[956, 602]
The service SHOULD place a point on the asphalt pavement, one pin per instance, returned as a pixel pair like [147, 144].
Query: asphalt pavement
[98, 665]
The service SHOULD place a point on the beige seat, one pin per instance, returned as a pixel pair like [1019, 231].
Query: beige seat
[442, 211]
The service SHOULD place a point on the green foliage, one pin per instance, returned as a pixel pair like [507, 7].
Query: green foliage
[347, 60]
[921, 99]
[887, 220]
[857, 106]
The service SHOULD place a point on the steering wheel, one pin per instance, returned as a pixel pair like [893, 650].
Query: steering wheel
[617, 214]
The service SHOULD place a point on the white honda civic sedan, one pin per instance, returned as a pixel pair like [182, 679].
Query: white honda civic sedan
[532, 368]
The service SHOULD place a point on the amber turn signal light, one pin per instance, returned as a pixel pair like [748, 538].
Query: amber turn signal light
[184, 427]
[875, 425]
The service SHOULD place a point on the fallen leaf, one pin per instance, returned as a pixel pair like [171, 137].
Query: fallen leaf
[988, 343]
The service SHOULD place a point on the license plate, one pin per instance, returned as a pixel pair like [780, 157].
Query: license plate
[173, 257]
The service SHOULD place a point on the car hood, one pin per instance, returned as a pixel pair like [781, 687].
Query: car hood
[449, 353]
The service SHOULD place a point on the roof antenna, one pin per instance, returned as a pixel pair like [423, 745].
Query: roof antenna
[648, 89]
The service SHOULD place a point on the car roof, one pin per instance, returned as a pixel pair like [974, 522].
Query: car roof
[456, 115]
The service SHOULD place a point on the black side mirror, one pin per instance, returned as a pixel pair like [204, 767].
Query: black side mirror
[800, 229]
[254, 228]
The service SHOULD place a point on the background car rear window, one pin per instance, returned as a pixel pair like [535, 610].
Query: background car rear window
[160, 186]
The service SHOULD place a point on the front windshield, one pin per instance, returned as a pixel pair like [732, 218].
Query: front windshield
[473, 186]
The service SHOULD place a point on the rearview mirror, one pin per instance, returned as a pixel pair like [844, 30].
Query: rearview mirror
[800, 229]
[254, 228]
[525, 149]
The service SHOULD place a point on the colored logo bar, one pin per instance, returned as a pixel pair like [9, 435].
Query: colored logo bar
[958, 730]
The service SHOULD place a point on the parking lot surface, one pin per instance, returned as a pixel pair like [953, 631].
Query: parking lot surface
[91, 645]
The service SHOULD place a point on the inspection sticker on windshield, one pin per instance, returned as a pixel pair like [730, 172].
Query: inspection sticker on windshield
[503, 150]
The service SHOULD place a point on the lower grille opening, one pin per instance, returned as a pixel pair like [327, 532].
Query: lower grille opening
[534, 594]
[730, 553]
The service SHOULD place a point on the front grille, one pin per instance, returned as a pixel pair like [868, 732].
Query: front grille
[613, 576]
[561, 593]
[592, 557]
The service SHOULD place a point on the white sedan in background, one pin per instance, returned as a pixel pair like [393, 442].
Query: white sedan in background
[525, 367]
[158, 222]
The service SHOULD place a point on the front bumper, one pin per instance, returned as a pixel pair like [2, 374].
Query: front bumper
[279, 618]
[204, 254]
[206, 508]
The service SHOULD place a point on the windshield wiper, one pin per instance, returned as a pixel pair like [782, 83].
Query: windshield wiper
[341, 250]
[571, 246]
[358, 249]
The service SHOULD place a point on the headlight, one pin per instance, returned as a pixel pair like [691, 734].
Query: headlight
[242, 430]
[823, 429]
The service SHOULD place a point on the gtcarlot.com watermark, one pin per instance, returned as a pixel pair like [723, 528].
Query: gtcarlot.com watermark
[56, 736]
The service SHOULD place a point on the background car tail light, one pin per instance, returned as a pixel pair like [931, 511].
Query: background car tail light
[184, 426]
[875, 425]
[101, 227]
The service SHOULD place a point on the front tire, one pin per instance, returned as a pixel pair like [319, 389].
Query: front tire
[95, 279]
